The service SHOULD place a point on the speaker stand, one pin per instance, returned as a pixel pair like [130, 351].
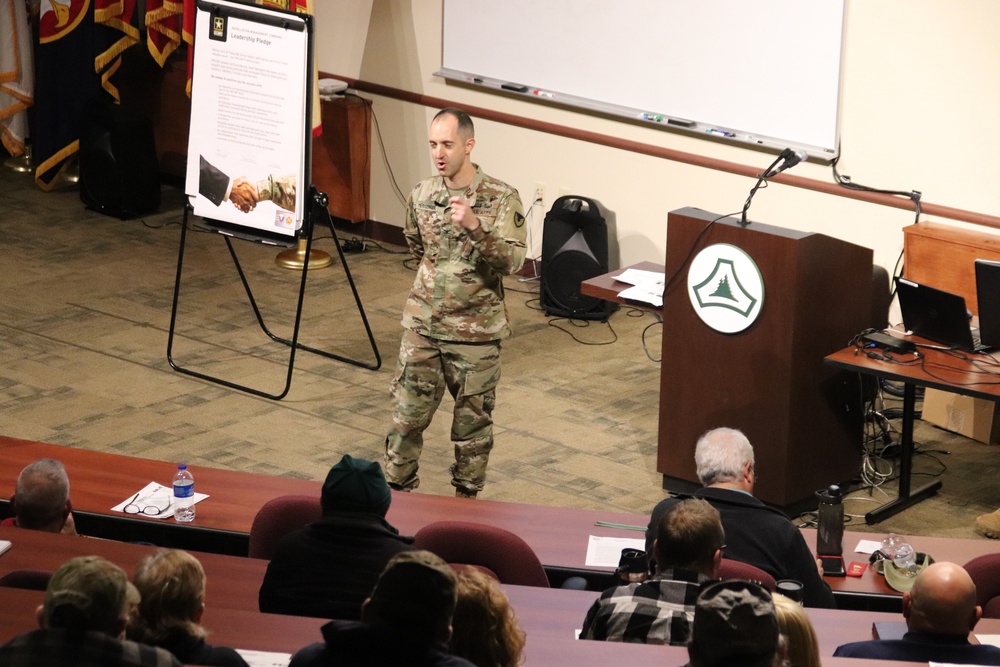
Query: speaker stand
[297, 259]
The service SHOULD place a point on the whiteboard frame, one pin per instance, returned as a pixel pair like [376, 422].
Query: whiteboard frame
[491, 64]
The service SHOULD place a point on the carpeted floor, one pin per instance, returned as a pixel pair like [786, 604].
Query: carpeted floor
[84, 315]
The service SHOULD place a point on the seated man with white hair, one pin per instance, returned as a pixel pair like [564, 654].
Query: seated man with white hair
[755, 533]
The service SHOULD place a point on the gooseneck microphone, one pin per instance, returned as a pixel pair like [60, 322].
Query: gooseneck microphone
[785, 160]
[791, 158]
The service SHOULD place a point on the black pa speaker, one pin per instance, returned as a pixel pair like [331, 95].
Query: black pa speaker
[119, 173]
[574, 248]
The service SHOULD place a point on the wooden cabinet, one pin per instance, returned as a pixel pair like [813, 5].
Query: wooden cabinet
[944, 256]
[341, 163]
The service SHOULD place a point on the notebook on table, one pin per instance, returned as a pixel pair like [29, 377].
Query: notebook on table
[938, 315]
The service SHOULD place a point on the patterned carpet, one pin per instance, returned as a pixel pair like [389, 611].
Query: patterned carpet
[83, 339]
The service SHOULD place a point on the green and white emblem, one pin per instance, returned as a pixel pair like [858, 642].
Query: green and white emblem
[726, 288]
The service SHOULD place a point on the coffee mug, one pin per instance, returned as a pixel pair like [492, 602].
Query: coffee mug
[790, 588]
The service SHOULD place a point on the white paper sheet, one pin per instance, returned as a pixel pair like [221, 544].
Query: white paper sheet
[867, 547]
[265, 658]
[154, 495]
[607, 551]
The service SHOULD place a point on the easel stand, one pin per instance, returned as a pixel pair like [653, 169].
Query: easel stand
[318, 203]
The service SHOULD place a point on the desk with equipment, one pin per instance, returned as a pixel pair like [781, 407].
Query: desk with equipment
[958, 372]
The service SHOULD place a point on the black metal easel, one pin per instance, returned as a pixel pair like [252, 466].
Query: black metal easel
[318, 202]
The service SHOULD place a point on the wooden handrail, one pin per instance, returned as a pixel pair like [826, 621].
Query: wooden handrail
[894, 201]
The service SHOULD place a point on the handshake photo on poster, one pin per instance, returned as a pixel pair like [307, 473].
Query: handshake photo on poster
[244, 194]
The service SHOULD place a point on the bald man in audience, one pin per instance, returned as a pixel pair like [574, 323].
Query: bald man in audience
[41, 499]
[940, 612]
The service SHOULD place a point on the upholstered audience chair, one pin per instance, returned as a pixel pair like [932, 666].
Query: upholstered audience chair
[734, 569]
[499, 550]
[985, 573]
[35, 580]
[278, 517]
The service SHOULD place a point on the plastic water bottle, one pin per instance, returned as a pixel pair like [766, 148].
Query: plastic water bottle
[830, 522]
[890, 543]
[905, 560]
[183, 495]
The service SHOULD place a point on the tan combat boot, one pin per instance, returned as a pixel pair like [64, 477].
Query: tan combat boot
[989, 525]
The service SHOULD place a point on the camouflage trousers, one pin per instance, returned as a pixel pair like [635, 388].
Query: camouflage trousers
[470, 372]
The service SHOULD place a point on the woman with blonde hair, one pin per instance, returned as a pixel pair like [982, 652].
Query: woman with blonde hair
[171, 584]
[484, 629]
[801, 645]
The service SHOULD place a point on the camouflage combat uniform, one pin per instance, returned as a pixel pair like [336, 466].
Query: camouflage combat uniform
[453, 321]
[279, 189]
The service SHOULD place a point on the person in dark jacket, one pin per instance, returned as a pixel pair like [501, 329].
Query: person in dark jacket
[755, 533]
[406, 621]
[328, 568]
[171, 584]
[940, 612]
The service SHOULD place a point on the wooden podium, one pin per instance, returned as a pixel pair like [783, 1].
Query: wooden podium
[769, 380]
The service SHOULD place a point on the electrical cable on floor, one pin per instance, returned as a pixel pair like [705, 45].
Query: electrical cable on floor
[582, 324]
[645, 347]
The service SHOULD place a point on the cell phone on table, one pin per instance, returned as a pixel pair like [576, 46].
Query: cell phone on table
[833, 566]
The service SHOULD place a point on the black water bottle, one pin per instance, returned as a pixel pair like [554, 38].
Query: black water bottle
[830, 522]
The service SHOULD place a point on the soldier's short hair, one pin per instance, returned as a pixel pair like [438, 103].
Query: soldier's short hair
[465, 126]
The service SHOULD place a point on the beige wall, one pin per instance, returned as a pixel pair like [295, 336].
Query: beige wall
[920, 99]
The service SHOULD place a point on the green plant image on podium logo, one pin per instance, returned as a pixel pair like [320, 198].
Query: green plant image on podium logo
[725, 287]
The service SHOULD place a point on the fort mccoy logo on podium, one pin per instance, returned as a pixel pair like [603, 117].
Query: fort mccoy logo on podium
[726, 288]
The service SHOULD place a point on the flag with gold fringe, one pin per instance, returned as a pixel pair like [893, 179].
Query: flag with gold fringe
[163, 28]
[116, 15]
[65, 83]
[17, 73]
[80, 43]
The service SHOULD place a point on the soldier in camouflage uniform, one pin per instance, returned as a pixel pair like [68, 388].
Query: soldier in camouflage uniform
[467, 231]
[279, 189]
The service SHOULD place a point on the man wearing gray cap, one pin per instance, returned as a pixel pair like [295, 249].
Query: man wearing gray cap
[329, 567]
[735, 624]
[82, 623]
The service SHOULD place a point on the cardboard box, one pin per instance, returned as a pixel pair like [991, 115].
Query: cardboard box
[975, 418]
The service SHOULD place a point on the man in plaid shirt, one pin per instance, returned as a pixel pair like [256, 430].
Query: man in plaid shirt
[660, 610]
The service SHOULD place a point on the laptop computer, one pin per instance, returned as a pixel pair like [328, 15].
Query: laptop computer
[988, 299]
[938, 315]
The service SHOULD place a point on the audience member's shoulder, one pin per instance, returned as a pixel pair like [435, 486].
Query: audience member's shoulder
[135, 654]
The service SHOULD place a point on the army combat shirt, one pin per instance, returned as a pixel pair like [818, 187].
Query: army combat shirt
[457, 294]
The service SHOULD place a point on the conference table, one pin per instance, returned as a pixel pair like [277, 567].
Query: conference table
[607, 286]
[549, 617]
[100, 480]
[948, 370]
[559, 536]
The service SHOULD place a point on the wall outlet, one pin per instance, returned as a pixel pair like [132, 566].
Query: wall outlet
[539, 198]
